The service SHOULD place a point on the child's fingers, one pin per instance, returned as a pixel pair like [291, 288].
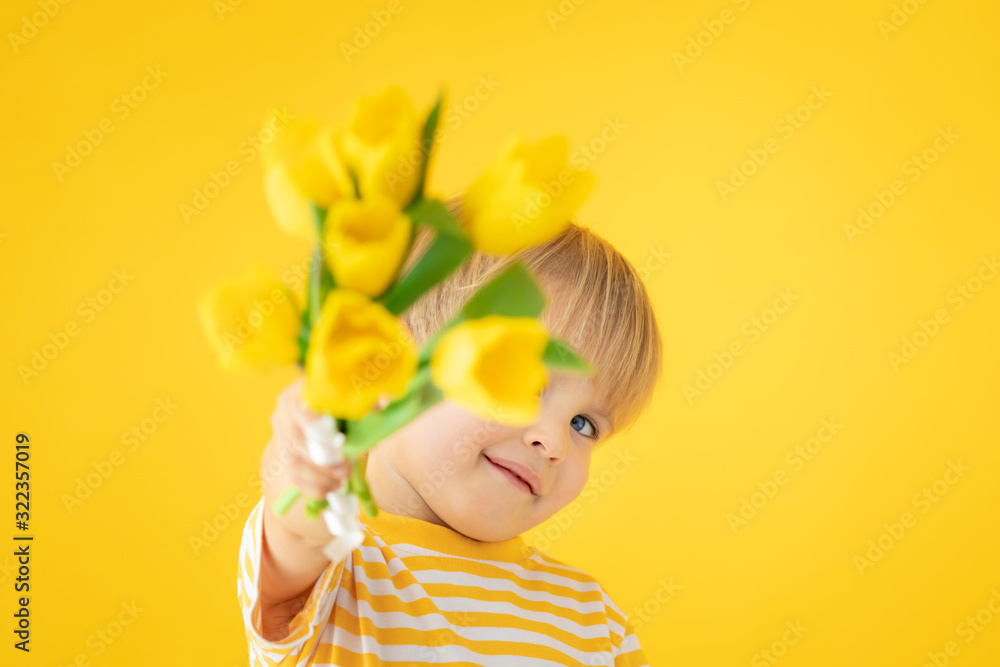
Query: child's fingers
[316, 481]
[284, 420]
[313, 480]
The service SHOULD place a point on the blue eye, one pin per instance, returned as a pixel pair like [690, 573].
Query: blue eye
[581, 419]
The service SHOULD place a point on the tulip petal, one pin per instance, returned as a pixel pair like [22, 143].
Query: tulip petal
[512, 293]
[357, 351]
[365, 242]
[251, 320]
[492, 367]
[525, 196]
[297, 171]
[379, 138]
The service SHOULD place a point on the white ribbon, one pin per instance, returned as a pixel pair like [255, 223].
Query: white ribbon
[325, 444]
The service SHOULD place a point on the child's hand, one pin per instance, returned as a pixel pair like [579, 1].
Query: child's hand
[292, 552]
[314, 481]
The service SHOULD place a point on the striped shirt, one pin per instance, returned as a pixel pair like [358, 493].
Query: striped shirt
[418, 592]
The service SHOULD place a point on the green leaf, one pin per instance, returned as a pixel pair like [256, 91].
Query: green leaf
[445, 254]
[559, 355]
[434, 213]
[373, 428]
[426, 144]
[513, 293]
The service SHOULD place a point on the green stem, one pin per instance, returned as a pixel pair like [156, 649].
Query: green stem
[314, 506]
[286, 500]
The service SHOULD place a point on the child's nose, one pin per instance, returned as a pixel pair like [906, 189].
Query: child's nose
[547, 436]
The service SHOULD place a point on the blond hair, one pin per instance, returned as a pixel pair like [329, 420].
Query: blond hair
[605, 313]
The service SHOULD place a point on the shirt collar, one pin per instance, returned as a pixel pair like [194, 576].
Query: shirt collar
[397, 529]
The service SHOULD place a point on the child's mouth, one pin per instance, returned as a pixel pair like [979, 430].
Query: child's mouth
[511, 477]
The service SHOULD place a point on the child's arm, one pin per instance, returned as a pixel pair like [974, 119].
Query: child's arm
[292, 556]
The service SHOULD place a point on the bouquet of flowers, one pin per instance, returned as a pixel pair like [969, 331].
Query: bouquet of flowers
[357, 192]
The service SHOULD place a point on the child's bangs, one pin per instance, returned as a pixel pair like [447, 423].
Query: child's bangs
[599, 306]
[596, 303]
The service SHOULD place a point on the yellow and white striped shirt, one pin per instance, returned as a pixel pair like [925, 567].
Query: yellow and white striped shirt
[416, 593]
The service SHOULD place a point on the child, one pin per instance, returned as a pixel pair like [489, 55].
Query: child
[443, 574]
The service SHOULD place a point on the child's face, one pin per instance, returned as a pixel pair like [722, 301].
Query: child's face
[438, 467]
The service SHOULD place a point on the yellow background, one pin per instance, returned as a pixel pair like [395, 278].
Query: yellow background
[663, 519]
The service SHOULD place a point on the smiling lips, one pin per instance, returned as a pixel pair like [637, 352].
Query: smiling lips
[527, 483]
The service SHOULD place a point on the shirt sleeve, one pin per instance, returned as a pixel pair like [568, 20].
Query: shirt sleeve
[305, 629]
[629, 653]
[626, 649]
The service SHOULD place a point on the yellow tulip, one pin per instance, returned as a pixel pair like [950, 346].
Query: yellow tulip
[251, 321]
[381, 143]
[525, 197]
[493, 367]
[357, 352]
[365, 242]
[296, 171]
